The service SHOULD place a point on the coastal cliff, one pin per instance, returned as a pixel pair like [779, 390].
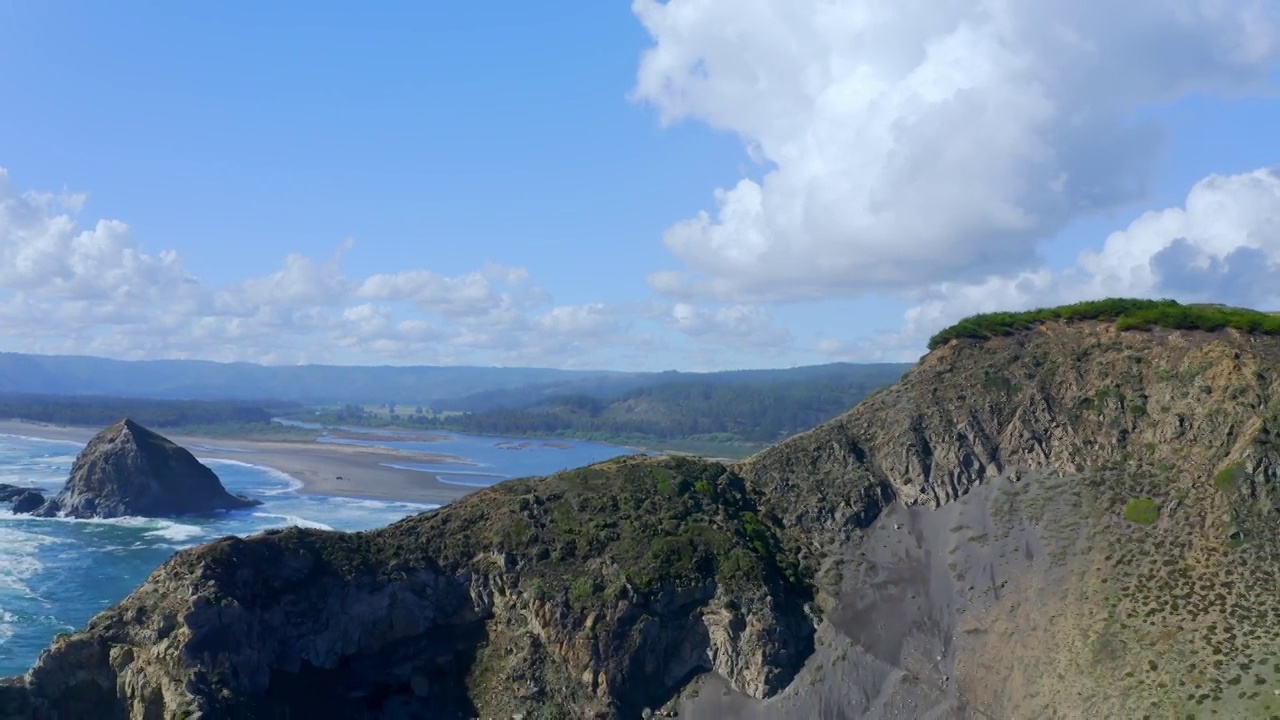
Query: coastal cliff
[602, 589]
[1075, 518]
[129, 470]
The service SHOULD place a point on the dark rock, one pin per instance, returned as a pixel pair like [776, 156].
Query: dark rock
[9, 493]
[27, 502]
[130, 470]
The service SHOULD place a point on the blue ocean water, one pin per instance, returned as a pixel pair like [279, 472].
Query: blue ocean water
[55, 574]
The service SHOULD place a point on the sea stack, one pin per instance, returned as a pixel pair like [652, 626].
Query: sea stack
[129, 470]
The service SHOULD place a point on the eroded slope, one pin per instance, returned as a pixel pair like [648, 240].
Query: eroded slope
[983, 531]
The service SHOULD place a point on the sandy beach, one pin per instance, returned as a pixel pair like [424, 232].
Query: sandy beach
[323, 469]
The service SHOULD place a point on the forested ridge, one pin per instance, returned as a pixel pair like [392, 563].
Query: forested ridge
[686, 408]
[720, 413]
[189, 415]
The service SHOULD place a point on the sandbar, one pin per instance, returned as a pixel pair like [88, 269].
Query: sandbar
[322, 468]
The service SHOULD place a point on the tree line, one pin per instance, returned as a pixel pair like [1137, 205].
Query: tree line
[94, 410]
[756, 413]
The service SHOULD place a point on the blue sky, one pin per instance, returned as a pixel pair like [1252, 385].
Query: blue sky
[513, 183]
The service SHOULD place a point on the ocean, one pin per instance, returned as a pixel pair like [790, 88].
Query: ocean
[55, 574]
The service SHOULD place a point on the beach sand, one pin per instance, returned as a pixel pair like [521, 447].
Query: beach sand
[318, 466]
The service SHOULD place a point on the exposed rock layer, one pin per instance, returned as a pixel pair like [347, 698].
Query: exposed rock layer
[934, 527]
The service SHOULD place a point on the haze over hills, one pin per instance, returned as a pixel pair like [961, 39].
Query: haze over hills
[452, 387]
[726, 414]
[905, 560]
[720, 414]
[199, 379]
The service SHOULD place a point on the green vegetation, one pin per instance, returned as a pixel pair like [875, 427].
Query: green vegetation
[687, 414]
[1143, 511]
[1128, 314]
[1226, 477]
[196, 417]
[627, 526]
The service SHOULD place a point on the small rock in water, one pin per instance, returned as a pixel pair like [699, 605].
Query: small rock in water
[27, 502]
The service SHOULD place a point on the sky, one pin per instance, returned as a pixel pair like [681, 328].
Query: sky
[689, 184]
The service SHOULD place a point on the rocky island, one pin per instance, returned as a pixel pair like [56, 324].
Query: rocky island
[128, 470]
[1066, 513]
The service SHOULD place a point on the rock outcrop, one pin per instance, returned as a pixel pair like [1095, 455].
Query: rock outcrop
[23, 500]
[129, 470]
[1071, 520]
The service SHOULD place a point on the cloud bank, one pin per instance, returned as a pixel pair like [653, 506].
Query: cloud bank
[909, 143]
[68, 288]
[1221, 245]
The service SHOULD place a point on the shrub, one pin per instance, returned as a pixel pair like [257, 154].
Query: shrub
[1143, 511]
[1226, 477]
[1127, 313]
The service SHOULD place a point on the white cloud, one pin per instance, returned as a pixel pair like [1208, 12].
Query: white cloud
[733, 327]
[584, 321]
[94, 290]
[492, 290]
[1222, 245]
[69, 289]
[43, 250]
[302, 281]
[918, 141]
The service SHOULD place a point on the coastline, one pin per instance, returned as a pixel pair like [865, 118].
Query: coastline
[364, 471]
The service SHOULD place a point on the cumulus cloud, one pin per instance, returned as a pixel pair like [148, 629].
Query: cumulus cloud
[733, 327]
[1221, 245]
[96, 290]
[44, 250]
[913, 142]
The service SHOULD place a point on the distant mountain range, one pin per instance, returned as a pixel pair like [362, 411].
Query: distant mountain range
[449, 387]
[204, 380]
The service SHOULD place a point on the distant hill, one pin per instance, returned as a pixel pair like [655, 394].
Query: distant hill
[188, 415]
[204, 380]
[456, 388]
[616, 387]
[725, 414]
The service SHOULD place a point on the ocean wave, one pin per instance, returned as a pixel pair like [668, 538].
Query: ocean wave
[30, 480]
[444, 478]
[292, 484]
[7, 621]
[28, 438]
[295, 521]
[157, 527]
[19, 559]
[59, 460]
[217, 448]
[371, 505]
[178, 533]
[429, 468]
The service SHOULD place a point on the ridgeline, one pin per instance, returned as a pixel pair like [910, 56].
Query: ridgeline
[1125, 313]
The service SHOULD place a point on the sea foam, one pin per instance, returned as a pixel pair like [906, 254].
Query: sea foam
[291, 484]
[295, 521]
[19, 558]
[178, 533]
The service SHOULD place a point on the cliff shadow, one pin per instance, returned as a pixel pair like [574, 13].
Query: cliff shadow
[420, 677]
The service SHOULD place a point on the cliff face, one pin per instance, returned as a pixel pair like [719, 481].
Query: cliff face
[1068, 520]
[129, 470]
[599, 590]
[1066, 398]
